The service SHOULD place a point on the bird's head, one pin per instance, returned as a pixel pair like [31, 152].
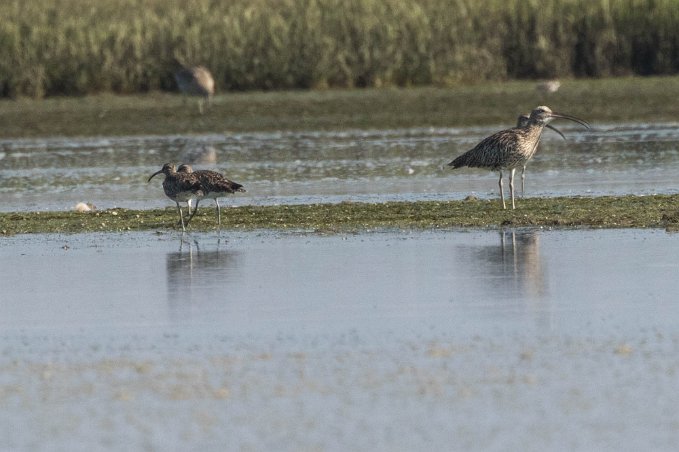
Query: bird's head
[524, 120]
[543, 115]
[167, 169]
[185, 168]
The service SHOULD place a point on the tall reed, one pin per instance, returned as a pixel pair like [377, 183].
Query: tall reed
[75, 47]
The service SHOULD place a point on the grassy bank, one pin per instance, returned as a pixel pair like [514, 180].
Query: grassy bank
[661, 211]
[598, 101]
[125, 46]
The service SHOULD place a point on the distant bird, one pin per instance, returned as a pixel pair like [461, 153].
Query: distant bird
[201, 154]
[180, 187]
[195, 81]
[522, 121]
[511, 148]
[548, 86]
[214, 186]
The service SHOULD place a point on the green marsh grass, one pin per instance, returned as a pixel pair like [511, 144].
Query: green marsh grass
[76, 47]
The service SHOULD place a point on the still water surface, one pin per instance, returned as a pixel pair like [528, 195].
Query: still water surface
[513, 280]
[303, 167]
[450, 340]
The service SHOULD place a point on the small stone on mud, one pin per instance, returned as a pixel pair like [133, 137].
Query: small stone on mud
[82, 207]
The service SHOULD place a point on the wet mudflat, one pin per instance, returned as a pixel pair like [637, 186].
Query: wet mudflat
[301, 167]
[452, 340]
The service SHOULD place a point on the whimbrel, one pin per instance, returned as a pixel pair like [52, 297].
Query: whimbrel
[196, 81]
[511, 148]
[522, 121]
[179, 187]
[214, 186]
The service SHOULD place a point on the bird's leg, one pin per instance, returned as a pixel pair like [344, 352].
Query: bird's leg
[219, 214]
[181, 216]
[511, 186]
[195, 209]
[523, 180]
[189, 207]
[502, 192]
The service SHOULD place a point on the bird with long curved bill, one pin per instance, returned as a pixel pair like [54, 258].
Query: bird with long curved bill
[512, 148]
[179, 187]
[522, 121]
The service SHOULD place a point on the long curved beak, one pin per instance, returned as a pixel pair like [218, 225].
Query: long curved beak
[153, 175]
[556, 130]
[572, 118]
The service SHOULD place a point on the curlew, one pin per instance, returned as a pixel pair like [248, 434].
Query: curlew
[196, 81]
[522, 121]
[214, 186]
[511, 148]
[179, 187]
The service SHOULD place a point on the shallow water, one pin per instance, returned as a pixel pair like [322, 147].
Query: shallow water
[520, 278]
[453, 340]
[304, 167]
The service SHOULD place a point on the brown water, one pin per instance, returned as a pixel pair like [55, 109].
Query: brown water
[304, 167]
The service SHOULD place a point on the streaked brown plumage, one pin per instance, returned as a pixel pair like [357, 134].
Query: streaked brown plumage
[522, 121]
[196, 81]
[179, 187]
[511, 148]
[214, 186]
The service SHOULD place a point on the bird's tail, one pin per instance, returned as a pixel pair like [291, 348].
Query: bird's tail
[458, 162]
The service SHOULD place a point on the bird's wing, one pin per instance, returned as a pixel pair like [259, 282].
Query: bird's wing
[492, 152]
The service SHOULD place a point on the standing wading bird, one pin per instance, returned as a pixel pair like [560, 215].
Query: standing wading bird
[180, 187]
[511, 148]
[522, 121]
[214, 186]
[195, 81]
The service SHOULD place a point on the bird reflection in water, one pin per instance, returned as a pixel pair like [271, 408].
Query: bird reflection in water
[511, 271]
[196, 277]
[520, 262]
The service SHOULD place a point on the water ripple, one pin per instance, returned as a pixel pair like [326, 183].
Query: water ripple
[320, 166]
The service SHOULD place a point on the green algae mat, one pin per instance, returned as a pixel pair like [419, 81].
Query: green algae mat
[656, 211]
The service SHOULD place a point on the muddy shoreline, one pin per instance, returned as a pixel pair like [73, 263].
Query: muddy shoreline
[657, 211]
